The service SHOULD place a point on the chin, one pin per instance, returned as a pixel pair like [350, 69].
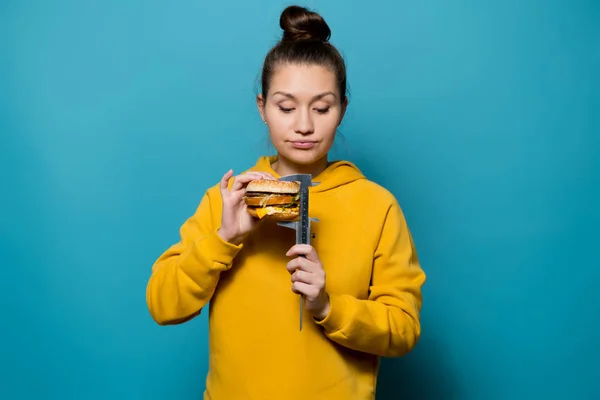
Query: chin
[303, 157]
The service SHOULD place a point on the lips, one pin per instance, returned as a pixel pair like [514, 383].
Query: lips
[303, 144]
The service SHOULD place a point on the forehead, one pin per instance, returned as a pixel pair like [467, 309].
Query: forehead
[303, 80]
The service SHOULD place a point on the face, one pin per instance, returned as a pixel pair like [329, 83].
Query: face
[302, 110]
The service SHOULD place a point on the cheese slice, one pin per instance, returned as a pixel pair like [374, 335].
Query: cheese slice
[262, 212]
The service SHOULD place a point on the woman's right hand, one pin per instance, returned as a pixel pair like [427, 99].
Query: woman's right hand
[236, 222]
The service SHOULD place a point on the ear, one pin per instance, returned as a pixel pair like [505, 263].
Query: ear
[344, 107]
[260, 103]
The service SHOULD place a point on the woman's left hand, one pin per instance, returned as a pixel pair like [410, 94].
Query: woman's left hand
[308, 279]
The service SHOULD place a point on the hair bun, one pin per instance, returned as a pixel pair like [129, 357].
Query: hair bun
[299, 23]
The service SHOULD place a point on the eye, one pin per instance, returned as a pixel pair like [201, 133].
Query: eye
[322, 110]
[286, 110]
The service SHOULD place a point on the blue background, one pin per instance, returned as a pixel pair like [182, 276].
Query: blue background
[481, 117]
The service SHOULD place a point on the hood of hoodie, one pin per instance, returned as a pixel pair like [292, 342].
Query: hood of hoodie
[337, 173]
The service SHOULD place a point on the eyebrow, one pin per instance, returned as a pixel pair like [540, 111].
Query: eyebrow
[316, 97]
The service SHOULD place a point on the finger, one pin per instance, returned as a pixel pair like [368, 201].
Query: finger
[263, 175]
[242, 180]
[266, 175]
[303, 250]
[303, 264]
[305, 289]
[225, 180]
[303, 276]
[293, 265]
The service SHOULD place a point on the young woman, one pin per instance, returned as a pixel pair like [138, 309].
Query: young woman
[360, 277]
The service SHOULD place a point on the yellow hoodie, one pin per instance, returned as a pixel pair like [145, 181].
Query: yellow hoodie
[373, 279]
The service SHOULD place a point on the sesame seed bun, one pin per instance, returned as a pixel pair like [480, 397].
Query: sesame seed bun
[273, 186]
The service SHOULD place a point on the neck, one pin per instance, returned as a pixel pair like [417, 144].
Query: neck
[286, 167]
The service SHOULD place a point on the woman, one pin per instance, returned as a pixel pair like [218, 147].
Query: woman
[360, 277]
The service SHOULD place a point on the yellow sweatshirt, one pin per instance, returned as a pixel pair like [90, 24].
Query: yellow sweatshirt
[373, 279]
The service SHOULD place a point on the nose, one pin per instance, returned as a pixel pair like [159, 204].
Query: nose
[304, 124]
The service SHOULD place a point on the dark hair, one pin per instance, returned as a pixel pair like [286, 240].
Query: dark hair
[305, 40]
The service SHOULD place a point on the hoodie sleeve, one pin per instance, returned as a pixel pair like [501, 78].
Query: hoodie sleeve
[185, 276]
[387, 323]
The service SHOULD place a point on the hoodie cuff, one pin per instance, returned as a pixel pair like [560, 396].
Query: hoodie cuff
[209, 254]
[334, 320]
[221, 251]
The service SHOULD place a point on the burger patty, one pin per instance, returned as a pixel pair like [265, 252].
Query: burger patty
[271, 199]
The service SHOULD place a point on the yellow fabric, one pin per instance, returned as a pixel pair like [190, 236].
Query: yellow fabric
[373, 279]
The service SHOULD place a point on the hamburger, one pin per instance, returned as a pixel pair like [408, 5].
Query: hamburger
[277, 200]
